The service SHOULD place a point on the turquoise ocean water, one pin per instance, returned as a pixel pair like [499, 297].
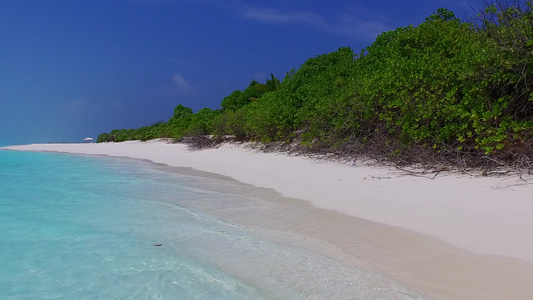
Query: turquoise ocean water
[81, 227]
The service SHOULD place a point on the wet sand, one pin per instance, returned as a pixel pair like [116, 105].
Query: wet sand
[455, 237]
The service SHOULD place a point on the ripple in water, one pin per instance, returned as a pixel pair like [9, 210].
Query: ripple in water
[85, 227]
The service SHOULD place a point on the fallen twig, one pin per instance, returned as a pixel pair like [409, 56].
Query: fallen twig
[379, 177]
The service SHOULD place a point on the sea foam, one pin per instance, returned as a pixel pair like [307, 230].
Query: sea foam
[96, 227]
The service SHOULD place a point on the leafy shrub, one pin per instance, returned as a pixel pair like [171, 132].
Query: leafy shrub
[447, 87]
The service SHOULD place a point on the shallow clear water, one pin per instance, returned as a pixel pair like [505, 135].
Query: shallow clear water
[86, 227]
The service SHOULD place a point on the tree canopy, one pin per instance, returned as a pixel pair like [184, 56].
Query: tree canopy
[445, 91]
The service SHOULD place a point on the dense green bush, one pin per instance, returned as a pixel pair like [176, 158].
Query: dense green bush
[103, 138]
[156, 130]
[301, 99]
[254, 91]
[179, 123]
[202, 122]
[510, 25]
[430, 84]
[445, 86]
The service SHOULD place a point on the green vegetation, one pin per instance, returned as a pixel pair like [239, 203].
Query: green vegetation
[444, 92]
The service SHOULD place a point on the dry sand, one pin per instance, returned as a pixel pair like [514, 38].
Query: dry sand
[454, 237]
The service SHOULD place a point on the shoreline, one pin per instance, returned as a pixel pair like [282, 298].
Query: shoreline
[498, 212]
[470, 233]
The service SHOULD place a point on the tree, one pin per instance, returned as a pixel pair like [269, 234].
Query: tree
[253, 92]
[509, 23]
[180, 121]
[272, 84]
[182, 112]
[201, 122]
[234, 101]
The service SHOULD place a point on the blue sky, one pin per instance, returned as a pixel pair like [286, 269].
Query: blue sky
[71, 69]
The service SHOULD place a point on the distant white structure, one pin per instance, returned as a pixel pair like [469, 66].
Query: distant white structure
[89, 140]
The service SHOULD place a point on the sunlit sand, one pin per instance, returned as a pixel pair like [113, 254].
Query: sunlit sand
[455, 236]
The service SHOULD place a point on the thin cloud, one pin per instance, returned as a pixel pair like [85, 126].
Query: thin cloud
[353, 26]
[343, 24]
[183, 85]
[274, 16]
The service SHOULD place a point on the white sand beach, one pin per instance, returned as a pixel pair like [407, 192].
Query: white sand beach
[455, 236]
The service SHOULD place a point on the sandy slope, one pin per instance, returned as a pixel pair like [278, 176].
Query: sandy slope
[487, 216]
[483, 215]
